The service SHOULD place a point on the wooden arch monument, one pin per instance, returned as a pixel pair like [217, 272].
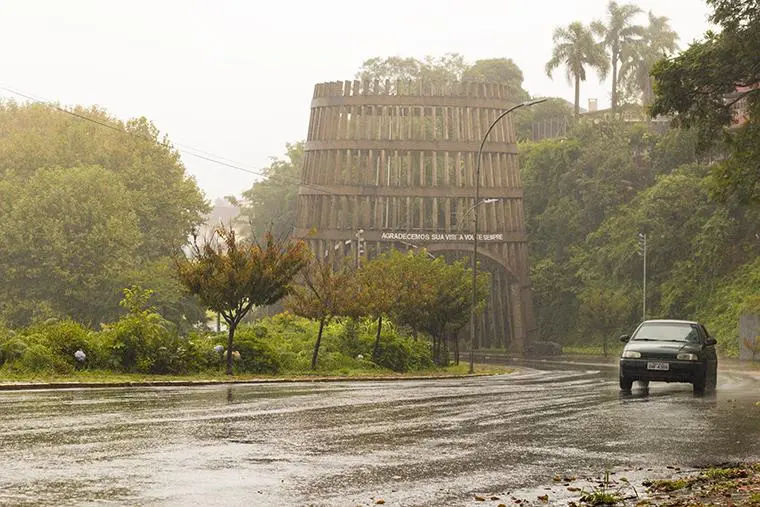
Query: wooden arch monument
[394, 163]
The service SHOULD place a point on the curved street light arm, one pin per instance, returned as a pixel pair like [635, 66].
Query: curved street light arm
[475, 242]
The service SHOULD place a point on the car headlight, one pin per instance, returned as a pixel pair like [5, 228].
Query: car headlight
[687, 356]
[631, 354]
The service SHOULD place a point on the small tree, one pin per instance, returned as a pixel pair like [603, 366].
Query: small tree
[451, 307]
[231, 277]
[603, 310]
[324, 293]
[427, 294]
[381, 291]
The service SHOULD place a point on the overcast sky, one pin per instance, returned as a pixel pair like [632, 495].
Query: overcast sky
[235, 78]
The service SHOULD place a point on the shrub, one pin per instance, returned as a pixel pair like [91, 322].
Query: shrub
[401, 353]
[11, 348]
[144, 343]
[63, 338]
[351, 343]
[39, 358]
[257, 355]
[201, 355]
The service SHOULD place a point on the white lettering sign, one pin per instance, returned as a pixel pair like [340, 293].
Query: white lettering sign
[424, 236]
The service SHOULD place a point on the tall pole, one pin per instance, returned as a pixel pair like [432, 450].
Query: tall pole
[359, 248]
[644, 292]
[475, 240]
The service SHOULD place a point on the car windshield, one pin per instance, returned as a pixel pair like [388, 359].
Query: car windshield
[667, 332]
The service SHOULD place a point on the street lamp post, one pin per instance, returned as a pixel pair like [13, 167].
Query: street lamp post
[643, 252]
[475, 242]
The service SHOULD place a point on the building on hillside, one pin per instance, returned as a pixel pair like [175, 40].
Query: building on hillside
[222, 213]
[627, 113]
[739, 104]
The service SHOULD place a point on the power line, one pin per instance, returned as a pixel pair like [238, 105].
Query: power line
[183, 149]
[188, 150]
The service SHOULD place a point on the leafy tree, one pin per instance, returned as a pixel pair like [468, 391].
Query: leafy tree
[166, 201]
[270, 204]
[555, 111]
[574, 187]
[703, 85]
[169, 295]
[109, 199]
[674, 213]
[69, 242]
[555, 288]
[382, 291]
[605, 310]
[576, 49]
[232, 276]
[324, 293]
[499, 70]
[429, 295]
[451, 307]
[617, 35]
[449, 67]
[639, 56]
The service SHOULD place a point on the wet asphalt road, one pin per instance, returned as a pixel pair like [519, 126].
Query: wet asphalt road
[432, 442]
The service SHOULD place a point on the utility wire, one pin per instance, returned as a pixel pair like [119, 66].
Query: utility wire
[188, 150]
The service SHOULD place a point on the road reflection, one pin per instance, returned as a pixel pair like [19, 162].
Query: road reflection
[353, 443]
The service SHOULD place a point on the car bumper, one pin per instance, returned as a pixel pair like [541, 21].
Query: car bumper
[678, 371]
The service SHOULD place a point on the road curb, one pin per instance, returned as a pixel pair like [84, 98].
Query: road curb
[38, 386]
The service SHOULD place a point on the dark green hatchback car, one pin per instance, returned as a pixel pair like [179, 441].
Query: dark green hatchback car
[669, 351]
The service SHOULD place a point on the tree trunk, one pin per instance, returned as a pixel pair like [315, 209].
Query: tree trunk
[316, 345]
[456, 348]
[376, 349]
[614, 97]
[230, 336]
[648, 94]
[577, 95]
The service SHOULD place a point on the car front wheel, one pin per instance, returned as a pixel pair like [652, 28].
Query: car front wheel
[699, 384]
[625, 383]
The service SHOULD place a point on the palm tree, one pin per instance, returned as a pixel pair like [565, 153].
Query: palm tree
[617, 35]
[575, 48]
[637, 60]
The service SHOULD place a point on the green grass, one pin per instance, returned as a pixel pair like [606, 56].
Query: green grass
[601, 498]
[669, 485]
[613, 350]
[102, 376]
[726, 473]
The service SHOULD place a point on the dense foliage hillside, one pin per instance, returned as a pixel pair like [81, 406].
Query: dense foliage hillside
[588, 196]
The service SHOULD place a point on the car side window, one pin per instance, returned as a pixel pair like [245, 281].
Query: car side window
[705, 334]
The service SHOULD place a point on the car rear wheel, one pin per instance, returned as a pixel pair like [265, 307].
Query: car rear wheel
[625, 383]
